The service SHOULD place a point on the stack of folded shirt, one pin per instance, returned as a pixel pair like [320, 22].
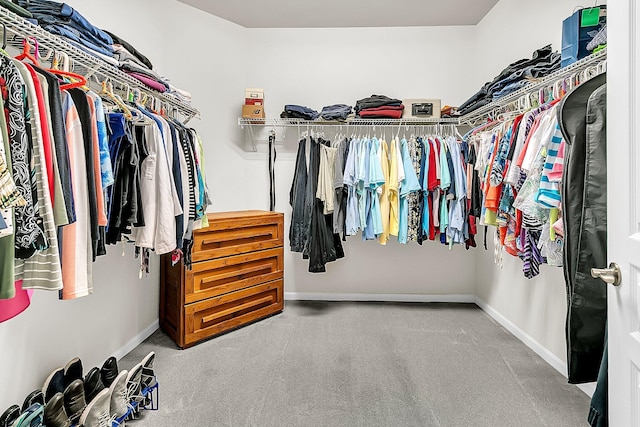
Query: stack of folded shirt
[299, 112]
[336, 112]
[542, 63]
[379, 107]
[63, 20]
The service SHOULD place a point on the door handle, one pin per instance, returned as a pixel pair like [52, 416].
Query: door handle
[611, 275]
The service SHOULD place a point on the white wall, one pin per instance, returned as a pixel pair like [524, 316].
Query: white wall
[318, 67]
[513, 30]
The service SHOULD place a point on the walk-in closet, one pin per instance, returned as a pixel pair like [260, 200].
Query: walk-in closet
[319, 213]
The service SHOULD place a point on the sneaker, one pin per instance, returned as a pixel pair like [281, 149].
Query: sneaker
[35, 396]
[119, 396]
[148, 378]
[92, 384]
[96, 414]
[32, 417]
[109, 371]
[74, 401]
[54, 384]
[134, 396]
[54, 413]
[9, 416]
[72, 371]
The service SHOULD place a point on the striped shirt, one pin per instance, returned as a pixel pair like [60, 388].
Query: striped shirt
[548, 195]
[42, 270]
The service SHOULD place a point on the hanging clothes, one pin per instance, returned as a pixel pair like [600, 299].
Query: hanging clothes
[70, 185]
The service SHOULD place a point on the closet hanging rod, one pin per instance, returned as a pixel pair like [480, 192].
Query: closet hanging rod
[561, 74]
[355, 122]
[88, 63]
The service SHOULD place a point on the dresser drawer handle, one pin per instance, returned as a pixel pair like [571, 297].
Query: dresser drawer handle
[221, 239]
[227, 275]
[241, 307]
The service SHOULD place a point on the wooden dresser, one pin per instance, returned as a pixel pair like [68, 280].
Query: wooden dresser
[236, 277]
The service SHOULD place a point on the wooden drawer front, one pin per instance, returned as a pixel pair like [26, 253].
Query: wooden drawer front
[213, 316]
[220, 276]
[239, 236]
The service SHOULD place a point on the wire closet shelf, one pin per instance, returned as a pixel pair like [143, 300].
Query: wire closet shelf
[596, 63]
[354, 122]
[84, 63]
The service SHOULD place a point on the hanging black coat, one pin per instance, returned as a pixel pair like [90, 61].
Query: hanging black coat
[582, 116]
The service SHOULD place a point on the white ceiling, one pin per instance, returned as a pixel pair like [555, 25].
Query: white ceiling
[346, 13]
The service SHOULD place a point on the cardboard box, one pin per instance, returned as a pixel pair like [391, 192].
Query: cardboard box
[254, 93]
[421, 108]
[253, 112]
[253, 101]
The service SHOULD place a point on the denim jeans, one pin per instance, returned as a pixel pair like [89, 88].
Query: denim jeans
[75, 35]
[335, 112]
[64, 14]
[301, 112]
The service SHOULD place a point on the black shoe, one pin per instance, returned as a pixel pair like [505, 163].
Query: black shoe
[74, 400]
[35, 396]
[92, 384]
[54, 413]
[54, 384]
[109, 371]
[9, 416]
[72, 371]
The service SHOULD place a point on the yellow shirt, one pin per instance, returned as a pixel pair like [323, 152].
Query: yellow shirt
[393, 189]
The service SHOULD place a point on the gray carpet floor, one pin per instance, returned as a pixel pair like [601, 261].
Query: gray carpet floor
[360, 364]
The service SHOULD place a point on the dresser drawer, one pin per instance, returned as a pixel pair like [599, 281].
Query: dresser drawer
[233, 236]
[219, 276]
[215, 315]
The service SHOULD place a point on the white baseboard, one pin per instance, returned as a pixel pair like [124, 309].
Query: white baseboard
[316, 296]
[137, 340]
[534, 345]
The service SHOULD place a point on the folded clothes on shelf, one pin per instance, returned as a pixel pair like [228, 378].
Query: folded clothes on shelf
[16, 8]
[375, 101]
[132, 50]
[151, 82]
[63, 20]
[383, 112]
[542, 63]
[293, 111]
[336, 112]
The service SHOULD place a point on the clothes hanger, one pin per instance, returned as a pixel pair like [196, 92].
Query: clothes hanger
[26, 51]
[107, 89]
[79, 80]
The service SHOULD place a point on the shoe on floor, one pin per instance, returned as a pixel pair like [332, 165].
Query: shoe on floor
[9, 416]
[109, 371]
[74, 400]
[119, 397]
[32, 417]
[92, 384]
[134, 395]
[148, 375]
[54, 384]
[96, 414]
[35, 396]
[72, 371]
[54, 413]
